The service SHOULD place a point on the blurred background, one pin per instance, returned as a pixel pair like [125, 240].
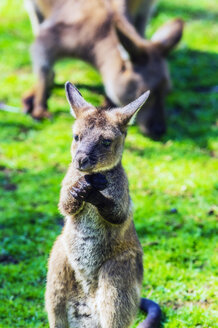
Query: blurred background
[173, 182]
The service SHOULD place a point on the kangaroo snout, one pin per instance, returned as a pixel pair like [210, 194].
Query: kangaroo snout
[83, 162]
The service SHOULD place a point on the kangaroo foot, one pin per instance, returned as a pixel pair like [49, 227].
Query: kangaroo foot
[37, 112]
[40, 113]
[28, 101]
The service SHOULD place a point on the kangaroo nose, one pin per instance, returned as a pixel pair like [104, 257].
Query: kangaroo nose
[83, 163]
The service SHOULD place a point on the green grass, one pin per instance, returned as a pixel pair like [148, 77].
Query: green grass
[173, 183]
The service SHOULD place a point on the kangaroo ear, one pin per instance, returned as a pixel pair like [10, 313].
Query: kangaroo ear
[168, 35]
[126, 114]
[133, 43]
[75, 99]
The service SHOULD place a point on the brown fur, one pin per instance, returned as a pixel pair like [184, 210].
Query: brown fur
[137, 11]
[95, 267]
[93, 31]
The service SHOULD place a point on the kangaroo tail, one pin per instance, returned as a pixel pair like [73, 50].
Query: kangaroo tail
[153, 314]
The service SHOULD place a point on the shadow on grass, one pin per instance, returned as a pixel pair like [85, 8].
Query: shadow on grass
[16, 130]
[192, 105]
[172, 227]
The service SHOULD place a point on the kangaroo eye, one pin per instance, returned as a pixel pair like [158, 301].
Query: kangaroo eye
[76, 137]
[106, 142]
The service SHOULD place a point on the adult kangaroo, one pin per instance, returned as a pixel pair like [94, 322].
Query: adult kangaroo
[93, 31]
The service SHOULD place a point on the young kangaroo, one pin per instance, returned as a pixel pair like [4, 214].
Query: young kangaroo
[93, 31]
[95, 267]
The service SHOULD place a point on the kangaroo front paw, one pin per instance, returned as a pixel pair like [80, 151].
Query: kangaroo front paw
[81, 190]
[97, 180]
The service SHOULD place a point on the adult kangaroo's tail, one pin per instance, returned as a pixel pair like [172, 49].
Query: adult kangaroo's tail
[153, 314]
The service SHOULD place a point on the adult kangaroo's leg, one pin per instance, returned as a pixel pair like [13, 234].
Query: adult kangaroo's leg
[44, 53]
[52, 43]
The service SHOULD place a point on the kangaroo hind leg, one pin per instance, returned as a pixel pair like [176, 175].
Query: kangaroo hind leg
[118, 294]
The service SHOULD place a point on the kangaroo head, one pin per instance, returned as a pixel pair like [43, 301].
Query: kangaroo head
[98, 135]
[147, 70]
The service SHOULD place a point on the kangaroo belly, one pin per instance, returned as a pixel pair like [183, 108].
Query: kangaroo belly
[82, 313]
